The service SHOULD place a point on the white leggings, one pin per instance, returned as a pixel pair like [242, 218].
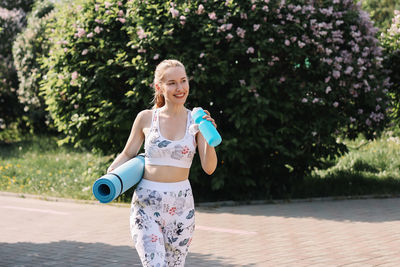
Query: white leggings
[162, 222]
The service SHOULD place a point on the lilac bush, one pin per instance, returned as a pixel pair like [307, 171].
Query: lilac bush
[391, 42]
[283, 79]
[11, 22]
[28, 47]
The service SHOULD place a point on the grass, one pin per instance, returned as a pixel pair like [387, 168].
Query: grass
[369, 168]
[36, 165]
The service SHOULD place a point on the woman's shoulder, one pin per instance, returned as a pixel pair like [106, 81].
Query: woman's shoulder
[144, 115]
[145, 112]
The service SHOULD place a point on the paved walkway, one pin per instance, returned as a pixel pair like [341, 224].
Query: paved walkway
[325, 233]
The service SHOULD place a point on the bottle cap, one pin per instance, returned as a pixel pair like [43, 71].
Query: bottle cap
[195, 110]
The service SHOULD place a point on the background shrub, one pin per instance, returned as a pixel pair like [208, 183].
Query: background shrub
[381, 11]
[282, 78]
[391, 41]
[28, 47]
[12, 21]
[86, 75]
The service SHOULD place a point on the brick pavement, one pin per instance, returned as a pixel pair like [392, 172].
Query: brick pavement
[365, 232]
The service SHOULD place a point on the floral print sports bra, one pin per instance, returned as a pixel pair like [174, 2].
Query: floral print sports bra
[161, 151]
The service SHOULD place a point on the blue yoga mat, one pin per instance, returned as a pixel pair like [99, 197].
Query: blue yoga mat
[113, 184]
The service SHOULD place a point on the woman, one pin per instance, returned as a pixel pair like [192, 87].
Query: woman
[162, 209]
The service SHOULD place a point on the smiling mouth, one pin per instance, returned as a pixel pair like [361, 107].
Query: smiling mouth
[180, 95]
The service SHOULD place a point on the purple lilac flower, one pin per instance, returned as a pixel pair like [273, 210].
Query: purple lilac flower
[212, 16]
[240, 32]
[97, 29]
[200, 9]
[141, 34]
[182, 20]
[74, 75]
[348, 70]
[250, 50]
[301, 44]
[328, 89]
[174, 12]
[336, 74]
[81, 32]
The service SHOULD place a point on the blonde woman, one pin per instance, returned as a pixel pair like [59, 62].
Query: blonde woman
[162, 209]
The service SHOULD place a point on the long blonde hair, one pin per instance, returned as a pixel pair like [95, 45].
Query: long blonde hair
[159, 99]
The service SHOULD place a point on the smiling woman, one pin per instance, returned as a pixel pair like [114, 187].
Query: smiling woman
[175, 73]
[162, 210]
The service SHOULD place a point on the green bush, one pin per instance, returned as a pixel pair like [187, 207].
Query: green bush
[391, 42]
[282, 79]
[12, 21]
[381, 11]
[24, 5]
[86, 76]
[28, 47]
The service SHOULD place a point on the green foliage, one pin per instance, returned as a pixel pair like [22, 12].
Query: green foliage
[86, 75]
[370, 167]
[391, 42]
[12, 21]
[381, 11]
[28, 47]
[25, 5]
[281, 79]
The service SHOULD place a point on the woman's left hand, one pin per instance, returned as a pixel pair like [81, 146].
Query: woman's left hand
[208, 117]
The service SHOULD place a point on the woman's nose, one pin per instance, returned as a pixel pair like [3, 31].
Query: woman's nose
[180, 86]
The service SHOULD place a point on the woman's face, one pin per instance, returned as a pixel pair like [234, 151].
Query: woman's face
[175, 85]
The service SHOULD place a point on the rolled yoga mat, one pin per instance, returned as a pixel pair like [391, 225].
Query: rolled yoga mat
[113, 184]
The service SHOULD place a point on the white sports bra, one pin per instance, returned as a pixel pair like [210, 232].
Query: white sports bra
[161, 151]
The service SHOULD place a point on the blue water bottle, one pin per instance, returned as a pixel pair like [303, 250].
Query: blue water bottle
[206, 127]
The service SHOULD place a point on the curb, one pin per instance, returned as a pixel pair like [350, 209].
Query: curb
[231, 203]
[217, 204]
[60, 199]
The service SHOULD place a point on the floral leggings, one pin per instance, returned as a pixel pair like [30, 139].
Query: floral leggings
[162, 222]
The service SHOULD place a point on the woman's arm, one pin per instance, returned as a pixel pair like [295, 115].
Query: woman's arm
[134, 142]
[208, 156]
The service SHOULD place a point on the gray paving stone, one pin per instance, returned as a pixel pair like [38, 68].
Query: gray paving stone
[363, 232]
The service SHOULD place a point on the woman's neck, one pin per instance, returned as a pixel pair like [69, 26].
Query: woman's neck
[173, 110]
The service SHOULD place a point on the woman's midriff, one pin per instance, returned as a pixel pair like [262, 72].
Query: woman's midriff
[165, 174]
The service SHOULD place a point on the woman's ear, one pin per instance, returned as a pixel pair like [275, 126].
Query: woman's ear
[158, 89]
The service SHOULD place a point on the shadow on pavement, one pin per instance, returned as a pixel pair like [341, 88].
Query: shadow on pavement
[355, 210]
[71, 253]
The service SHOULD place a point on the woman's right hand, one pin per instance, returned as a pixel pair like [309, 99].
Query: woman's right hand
[110, 169]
